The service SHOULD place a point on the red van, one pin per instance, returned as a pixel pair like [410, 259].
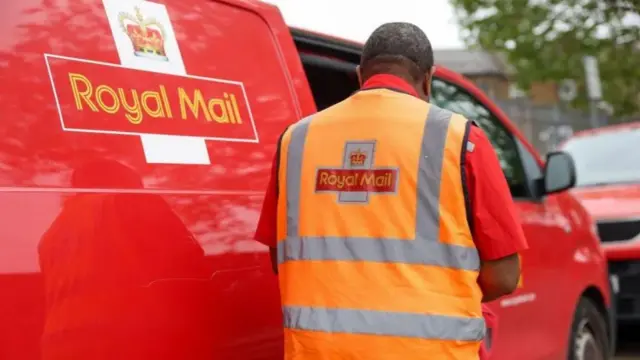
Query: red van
[608, 185]
[137, 140]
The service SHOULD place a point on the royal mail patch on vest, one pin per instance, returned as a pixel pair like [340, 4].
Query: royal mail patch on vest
[358, 178]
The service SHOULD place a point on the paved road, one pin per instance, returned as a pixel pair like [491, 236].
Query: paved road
[628, 355]
[634, 355]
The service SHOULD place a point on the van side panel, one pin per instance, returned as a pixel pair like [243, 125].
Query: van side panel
[127, 234]
[291, 57]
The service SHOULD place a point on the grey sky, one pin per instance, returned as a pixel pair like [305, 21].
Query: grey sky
[356, 19]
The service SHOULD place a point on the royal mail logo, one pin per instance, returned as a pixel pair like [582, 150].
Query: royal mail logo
[358, 178]
[149, 94]
[108, 98]
[357, 158]
[147, 34]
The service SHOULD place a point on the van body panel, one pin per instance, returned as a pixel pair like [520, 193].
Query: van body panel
[136, 146]
[119, 238]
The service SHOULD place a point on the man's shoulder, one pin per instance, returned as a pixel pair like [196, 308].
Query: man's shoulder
[472, 130]
[449, 113]
[303, 121]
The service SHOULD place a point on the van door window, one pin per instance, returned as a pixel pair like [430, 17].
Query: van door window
[454, 98]
[532, 169]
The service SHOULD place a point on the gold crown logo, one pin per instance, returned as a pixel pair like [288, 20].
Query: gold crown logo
[146, 34]
[357, 157]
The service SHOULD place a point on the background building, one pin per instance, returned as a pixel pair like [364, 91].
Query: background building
[540, 114]
[494, 76]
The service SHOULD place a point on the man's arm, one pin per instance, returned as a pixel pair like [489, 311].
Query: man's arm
[266, 232]
[496, 227]
[499, 277]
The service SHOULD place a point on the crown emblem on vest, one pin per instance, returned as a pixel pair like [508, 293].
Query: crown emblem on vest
[146, 34]
[357, 157]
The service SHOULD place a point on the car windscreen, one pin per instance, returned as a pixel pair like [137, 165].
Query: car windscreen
[606, 158]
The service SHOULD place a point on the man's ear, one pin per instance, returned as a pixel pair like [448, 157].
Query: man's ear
[359, 75]
[427, 81]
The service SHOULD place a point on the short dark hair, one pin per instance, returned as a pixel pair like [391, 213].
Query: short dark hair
[401, 44]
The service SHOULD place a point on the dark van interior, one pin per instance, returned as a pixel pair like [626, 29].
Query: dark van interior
[330, 67]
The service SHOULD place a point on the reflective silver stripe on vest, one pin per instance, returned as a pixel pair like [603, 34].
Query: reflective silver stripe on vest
[425, 248]
[383, 323]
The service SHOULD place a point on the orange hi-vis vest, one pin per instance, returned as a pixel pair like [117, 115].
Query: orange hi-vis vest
[375, 254]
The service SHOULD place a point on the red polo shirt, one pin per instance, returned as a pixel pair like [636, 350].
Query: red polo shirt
[496, 226]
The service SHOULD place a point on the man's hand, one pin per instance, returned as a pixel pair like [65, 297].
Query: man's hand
[499, 277]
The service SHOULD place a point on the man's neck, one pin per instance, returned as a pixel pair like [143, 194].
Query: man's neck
[389, 81]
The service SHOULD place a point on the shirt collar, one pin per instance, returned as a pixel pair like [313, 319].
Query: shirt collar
[388, 81]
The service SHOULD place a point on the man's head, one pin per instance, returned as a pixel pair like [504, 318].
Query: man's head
[400, 49]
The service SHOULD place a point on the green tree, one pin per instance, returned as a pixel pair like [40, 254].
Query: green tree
[545, 40]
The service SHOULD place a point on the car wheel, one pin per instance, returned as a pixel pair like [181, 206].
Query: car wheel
[589, 339]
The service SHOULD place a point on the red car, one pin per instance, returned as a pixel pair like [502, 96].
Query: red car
[608, 184]
[136, 144]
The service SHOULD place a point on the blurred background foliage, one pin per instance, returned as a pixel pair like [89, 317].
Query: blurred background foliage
[545, 40]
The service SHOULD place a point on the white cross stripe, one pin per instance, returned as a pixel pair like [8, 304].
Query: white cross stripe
[159, 149]
[368, 148]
